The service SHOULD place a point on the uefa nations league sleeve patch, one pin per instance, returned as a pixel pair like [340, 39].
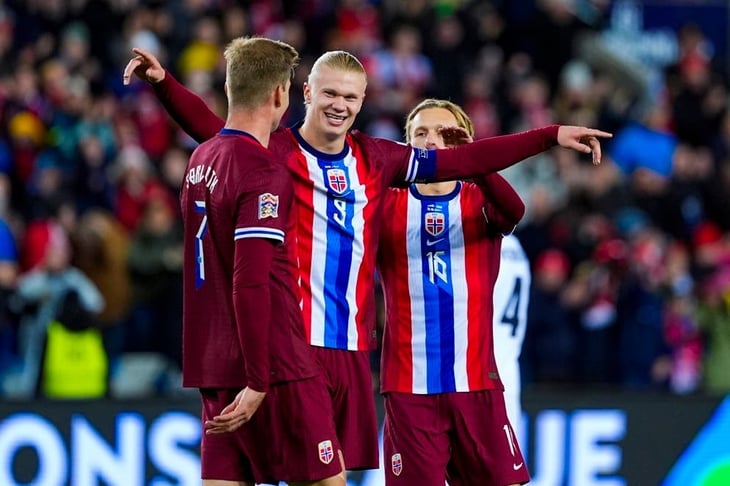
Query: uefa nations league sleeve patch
[268, 206]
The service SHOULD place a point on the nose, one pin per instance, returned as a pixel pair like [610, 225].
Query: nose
[433, 140]
[338, 103]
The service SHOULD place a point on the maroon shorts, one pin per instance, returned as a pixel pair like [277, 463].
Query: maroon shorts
[465, 438]
[350, 384]
[291, 437]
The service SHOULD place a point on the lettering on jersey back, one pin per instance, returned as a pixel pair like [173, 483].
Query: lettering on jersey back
[202, 174]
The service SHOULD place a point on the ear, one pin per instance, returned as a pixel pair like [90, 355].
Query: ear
[307, 91]
[278, 95]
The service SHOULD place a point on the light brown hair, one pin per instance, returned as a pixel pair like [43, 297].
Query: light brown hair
[255, 66]
[462, 119]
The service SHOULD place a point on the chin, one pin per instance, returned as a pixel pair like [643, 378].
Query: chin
[335, 132]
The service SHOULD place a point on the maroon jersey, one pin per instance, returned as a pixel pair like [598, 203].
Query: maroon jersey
[236, 192]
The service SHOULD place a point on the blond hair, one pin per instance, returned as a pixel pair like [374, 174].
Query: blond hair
[255, 66]
[340, 60]
[462, 119]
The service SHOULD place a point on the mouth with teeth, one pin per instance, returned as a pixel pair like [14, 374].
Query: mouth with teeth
[336, 118]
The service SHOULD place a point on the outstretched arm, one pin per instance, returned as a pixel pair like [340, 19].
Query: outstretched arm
[184, 106]
[496, 153]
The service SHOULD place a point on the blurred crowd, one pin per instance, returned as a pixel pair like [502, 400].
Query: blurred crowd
[631, 259]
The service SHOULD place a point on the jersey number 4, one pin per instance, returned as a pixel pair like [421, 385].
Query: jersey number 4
[511, 316]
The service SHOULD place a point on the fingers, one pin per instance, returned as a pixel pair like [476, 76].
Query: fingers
[226, 423]
[133, 64]
[215, 428]
[455, 135]
[599, 133]
[142, 58]
[595, 150]
[583, 132]
[141, 52]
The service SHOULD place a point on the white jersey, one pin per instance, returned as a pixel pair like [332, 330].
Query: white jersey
[511, 297]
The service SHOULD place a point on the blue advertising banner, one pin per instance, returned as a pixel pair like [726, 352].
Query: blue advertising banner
[587, 438]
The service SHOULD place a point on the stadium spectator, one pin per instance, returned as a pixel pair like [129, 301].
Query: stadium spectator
[39, 295]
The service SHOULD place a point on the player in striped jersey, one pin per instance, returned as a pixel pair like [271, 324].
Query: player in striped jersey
[511, 302]
[340, 179]
[439, 254]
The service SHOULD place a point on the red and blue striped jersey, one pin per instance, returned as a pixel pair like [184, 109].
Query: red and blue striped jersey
[438, 261]
[338, 208]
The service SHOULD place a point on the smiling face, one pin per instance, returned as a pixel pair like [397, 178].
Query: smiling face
[333, 97]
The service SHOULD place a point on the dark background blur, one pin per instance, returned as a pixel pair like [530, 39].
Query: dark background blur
[631, 259]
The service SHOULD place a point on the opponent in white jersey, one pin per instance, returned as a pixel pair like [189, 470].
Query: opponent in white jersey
[511, 299]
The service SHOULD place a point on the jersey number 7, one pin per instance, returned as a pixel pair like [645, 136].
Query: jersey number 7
[199, 256]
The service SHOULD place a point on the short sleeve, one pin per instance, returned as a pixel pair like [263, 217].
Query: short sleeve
[263, 209]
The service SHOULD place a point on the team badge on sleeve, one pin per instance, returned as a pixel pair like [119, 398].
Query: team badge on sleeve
[268, 206]
[434, 223]
[325, 451]
[396, 464]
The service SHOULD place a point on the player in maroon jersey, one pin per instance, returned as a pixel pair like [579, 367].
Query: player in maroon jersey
[243, 337]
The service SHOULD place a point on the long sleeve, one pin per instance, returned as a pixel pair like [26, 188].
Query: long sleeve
[252, 307]
[403, 164]
[187, 109]
[492, 154]
[505, 207]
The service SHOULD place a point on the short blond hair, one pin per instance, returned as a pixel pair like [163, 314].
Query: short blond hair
[255, 66]
[462, 119]
[340, 60]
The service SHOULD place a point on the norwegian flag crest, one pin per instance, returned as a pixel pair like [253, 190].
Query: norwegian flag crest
[325, 451]
[396, 464]
[337, 180]
[434, 223]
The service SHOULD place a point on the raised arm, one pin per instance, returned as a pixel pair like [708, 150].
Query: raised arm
[504, 207]
[184, 106]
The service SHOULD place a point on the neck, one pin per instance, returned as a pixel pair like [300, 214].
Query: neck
[436, 188]
[255, 121]
[326, 143]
